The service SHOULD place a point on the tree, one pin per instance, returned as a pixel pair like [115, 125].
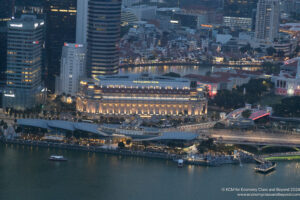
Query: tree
[258, 50]
[271, 68]
[5, 126]
[128, 142]
[229, 99]
[280, 53]
[121, 145]
[18, 129]
[172, 74]
[246, 48]
[289, 107]
[271, 51]
[206, 145]
[246, 113]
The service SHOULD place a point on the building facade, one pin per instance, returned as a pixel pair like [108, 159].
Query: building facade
[61, 27]
[24, 61]
[267, 20]
[6, 14]
[103, 36]
[287, 83]
[72, 69]
[236, 23]
[238, 8]
[81, 21]
[144, 95]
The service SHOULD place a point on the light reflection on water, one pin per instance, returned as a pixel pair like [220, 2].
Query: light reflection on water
[183, 70]
[26, 173]
[159, 70]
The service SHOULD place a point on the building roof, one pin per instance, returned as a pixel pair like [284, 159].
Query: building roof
[60, 124]
[143, 80]
[87, 127]
[66, 125]
[39, 123]
[174, 136]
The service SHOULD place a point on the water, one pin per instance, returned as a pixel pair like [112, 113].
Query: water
[182, 70]
[159, 70]
[26, 174]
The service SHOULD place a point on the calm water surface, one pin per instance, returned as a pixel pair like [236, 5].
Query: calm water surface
[25, 173]
[159, 70]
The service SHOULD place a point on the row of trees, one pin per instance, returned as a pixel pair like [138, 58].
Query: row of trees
[271, 51]
[247, 93]
[289, 107]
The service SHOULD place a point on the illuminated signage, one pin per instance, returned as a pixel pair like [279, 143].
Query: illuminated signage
[156, 82]
[174, 21]
[16, 25]
[9, 95]
[206, 25]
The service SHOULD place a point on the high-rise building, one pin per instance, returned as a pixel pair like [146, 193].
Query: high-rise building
[238, 8]
[6, 14]
[239, 14]
[24, 61]
[103, 35]
[81, 21]
[72, 68]
[61, 27]
[6, 10]
[267, 20]
[244, 23]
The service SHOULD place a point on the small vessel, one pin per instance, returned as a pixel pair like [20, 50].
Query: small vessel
[265, 167]
[180, 163]
[57, 158]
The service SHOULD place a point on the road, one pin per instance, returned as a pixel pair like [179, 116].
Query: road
[255, 138]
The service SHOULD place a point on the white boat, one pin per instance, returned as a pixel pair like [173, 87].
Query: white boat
[180, 163]
[265, 167]
[57, 158]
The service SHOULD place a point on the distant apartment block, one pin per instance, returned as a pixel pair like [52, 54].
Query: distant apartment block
[237, 23]
[267, 20]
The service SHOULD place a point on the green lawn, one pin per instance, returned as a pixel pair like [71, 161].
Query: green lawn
[270, 100]
[283, 158]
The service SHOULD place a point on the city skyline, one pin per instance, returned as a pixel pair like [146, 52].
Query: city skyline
[149, 99]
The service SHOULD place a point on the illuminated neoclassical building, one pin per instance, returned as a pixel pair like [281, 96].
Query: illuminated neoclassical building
[144, 95]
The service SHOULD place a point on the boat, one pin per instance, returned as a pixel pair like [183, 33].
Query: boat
[180, 163]
[57, 158]
[265, 167]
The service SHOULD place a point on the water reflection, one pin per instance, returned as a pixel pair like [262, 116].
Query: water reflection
[183, 70]
[159, 70]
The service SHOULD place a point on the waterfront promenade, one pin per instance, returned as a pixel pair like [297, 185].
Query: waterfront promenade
[115, 151]
[208, 161]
